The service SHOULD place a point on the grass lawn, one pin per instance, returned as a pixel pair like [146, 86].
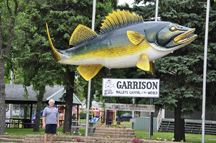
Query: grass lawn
[128, 124]
[27, 131]
[194, 138]
[168, 136]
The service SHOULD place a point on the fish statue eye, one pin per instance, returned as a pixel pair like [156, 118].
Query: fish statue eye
[173, 28]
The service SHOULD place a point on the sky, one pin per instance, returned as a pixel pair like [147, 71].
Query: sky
[126, 1]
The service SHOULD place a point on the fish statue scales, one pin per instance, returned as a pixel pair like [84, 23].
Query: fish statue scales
[125, 40]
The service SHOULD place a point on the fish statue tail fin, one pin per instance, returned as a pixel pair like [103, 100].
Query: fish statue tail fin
[55, 54]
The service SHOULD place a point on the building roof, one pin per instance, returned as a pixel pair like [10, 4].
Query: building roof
[15, 92]
[56, 96]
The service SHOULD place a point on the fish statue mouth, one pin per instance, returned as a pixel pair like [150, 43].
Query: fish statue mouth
[176, 43]
[185, 37]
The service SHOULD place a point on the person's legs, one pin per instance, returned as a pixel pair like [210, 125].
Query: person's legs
[47, 132]
[52, 131]
[45, 137]
[51, 138]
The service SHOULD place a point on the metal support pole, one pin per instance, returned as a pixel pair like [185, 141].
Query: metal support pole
[204, 71]
[87, 110]
[133, 113]
[89, 83]
[108, 100]
[107, 117]
[152, 103]
[151, 119]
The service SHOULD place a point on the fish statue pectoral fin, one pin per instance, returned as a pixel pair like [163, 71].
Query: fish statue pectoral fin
[89, 71]
[143, 62]
[135, 38]
[151, 67]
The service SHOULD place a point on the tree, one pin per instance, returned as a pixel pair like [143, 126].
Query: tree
[181, 72]
[62, 17]
[39, 69]
[8, 15]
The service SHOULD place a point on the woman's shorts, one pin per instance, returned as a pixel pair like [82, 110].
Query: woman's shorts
[51, 128]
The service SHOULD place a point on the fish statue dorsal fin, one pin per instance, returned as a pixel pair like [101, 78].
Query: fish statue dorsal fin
[119, 19]
[81, 34]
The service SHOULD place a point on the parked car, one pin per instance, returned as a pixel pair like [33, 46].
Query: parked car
[126, 117]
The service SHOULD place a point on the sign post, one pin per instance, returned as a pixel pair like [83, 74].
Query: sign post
[133, 113]
[108, 100]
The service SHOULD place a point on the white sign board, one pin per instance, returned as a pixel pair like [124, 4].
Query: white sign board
[131, 87]
[130, 107]
[133, 120]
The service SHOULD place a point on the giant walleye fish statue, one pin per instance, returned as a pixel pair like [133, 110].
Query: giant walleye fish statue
[125, 40]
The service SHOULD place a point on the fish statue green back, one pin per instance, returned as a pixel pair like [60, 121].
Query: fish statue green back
[125, 40]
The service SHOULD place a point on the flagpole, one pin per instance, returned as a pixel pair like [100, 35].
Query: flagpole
[153, 75]
[93, 14]
[204, 71]
[156, 11]
[89, 83]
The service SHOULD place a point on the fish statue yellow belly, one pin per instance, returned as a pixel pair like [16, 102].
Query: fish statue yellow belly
[125, 40]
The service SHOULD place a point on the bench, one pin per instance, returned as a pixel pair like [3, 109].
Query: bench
[7, 124]
[12, 122]
[75, 128]
[27, 125]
